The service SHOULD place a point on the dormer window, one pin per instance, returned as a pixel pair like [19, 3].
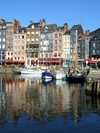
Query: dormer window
[32, 26]
[46, 27]
[22, 31]
[17, 31]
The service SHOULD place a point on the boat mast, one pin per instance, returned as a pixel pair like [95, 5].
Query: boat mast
[76, 63]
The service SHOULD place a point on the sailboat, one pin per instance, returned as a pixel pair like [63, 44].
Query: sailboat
[46, 75]
[76, 76]
[31, 70]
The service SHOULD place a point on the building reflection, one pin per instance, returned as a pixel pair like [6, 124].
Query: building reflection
[38, 101]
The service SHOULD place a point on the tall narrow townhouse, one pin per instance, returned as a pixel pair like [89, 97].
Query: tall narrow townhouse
[58, 47]
[33, 41]
[19, 47]
[66, 48]
[2, 42]
[46, 43]
[9, 42]
[75, 31]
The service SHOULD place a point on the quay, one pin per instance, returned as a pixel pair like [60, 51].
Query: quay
[9, 70]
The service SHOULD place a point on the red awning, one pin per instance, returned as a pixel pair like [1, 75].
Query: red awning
[55, 53]
[51, 61]
[90, 61]
[8, 61]
[19, 61]
[33, 61]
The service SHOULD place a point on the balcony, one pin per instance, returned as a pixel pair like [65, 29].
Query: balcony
[32, 50]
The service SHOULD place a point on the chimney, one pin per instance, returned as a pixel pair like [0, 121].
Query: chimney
[40, 21]
[43, 22]
[65, 26]
[31, 22]
[87, 32]
[2, 21]
[16, 24]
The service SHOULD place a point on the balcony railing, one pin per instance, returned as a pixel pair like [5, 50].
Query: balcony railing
[32, 50]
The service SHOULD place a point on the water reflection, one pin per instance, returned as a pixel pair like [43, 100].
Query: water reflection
[42, 101]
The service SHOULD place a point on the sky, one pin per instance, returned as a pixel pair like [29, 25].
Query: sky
[72, 12]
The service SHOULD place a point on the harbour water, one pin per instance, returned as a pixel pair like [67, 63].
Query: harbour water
[29, 104]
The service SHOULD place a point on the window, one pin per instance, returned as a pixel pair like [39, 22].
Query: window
[22, 42]
[11, 35]
[8, 52]
[32, 26]
[18, 53]
[22, 58]
[0, 39]
[68, 38]
[22, 31]
[32, 33]
[15, 42]
[93, 51]
[8, 35]
[64, 55]
[60, 42]
[64, 43]
[3, 39]
[17, 31]
[55, 35]
[18, 37]
[18, 42]
[55, 41]
[67, 43]
[60, 35]
[11, 53]
[3, 33]
[36, 40]
[65, 38]
[4, 27]
[67, 55]
[8, 30]
[22, 47]
[3, 46]
[67, 49]
[15, 53]
[28, 40]
[32, 40]
[0, 27]
[22, 37]
[8, 47]
[55, 48]
[11, 47]
[64, 49]
[36, 33]
[28, 33]
[8, 41]
[11, 41]
[93, 44]
[18, 47]
[22, 53]
[15, 48]
[0, 46]
[18, 58]
[15, 37]
[11, 30]
[40, 43]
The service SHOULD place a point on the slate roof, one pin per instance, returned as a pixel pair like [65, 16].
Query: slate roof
[20, 30]
[75, 27]
[95, 34]
[36, 25]
[67, 32]
[48, 28]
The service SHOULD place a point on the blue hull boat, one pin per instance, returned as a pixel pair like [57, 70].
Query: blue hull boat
[47, 75]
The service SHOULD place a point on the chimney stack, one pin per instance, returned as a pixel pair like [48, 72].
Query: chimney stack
[40, 21]
[87, 32]
[65, 26]
[31, 22]
[2, 21]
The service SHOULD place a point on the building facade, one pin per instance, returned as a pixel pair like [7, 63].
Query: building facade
[2, 41]
[33, 41]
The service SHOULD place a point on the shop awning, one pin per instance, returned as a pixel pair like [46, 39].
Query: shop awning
[90, 61]
[19, 61]
[51, 61]
[33, 61]
[59, 53]
[8, 61]
[55, 53]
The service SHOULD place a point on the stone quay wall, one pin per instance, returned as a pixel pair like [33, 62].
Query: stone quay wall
[9, 70]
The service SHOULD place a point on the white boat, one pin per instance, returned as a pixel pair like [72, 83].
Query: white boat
[32, 72]
[59, 75]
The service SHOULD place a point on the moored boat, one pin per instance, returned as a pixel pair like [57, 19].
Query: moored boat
[47, 75]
